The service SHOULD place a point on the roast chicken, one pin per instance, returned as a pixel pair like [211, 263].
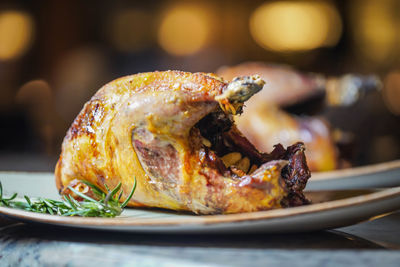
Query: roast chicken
[266, 120]
[267, 125]
[174, 133]
[285, 86]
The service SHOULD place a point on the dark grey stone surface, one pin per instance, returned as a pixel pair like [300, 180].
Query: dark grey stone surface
[365, 244]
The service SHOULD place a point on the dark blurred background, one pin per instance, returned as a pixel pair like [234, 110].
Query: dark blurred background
[54, 55]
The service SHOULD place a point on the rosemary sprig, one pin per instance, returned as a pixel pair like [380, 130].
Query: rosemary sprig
[108, 204]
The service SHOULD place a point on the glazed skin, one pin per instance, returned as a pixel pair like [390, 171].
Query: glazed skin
[152, 126]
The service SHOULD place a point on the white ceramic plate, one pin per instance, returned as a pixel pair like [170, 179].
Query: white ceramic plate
[372, 176]
[331, 209]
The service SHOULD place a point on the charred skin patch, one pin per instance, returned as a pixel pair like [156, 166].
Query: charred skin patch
[87, 121]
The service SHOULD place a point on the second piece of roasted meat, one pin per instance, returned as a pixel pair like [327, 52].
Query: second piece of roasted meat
[174, 132]
[265, 123]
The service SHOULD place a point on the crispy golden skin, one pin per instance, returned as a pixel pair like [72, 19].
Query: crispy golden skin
[145, 126]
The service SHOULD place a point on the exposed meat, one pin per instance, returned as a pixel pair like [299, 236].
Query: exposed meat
[234, 138]
[174, 132]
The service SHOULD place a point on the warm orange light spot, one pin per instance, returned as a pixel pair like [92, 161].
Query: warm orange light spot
[16, 32]
[375, 29]
[295, 25]
[185, 29]
[130, 30]
[391, 92]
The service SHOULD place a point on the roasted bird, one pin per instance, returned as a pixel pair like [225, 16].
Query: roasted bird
[287, 87]
[174, 132]
[266, 123]
[266, 120]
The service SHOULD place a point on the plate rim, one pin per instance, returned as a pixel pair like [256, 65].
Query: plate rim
[356, 171]
[122, 221]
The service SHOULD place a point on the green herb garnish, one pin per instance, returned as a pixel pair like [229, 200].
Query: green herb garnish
[108, 204]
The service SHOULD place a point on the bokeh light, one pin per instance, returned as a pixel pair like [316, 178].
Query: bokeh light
[16, 34]
[391, 92]
[78, 75]
[35, 93]
[36, 97]
[375, 29]
[295, 25]
[185, 29]
[130, 30]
